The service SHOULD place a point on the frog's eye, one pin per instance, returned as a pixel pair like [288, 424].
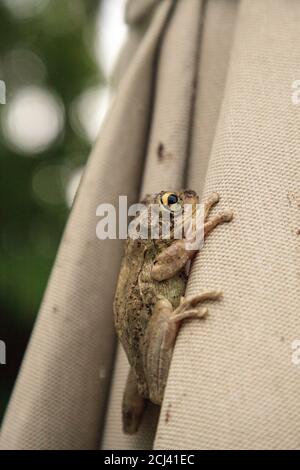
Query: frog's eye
[171, 201]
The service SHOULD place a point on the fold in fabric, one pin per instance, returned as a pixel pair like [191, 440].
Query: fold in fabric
[169, 126]
[137, 10]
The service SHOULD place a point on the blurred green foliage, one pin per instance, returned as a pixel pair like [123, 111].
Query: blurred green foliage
[62, 36]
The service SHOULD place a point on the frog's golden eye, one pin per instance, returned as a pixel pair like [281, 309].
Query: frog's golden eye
[171, 201]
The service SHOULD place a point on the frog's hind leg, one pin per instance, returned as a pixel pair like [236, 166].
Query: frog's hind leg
[160, 336]
[133, 405]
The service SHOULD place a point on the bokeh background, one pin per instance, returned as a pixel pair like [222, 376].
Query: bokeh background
[56, 59]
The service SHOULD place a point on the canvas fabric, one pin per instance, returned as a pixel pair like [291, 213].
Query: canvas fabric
[212, 81]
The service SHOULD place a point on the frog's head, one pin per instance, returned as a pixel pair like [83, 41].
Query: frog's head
[182, 206]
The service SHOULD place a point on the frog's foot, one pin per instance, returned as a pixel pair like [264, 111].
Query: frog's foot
[189, 313]
[194, 300]
[133, 405]
[188, 307]
[222, 217]
[160, 336]
[208, 205]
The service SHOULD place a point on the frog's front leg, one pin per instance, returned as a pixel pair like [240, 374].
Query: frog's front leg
[158, 342]
[172, 259]
[133, 405]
